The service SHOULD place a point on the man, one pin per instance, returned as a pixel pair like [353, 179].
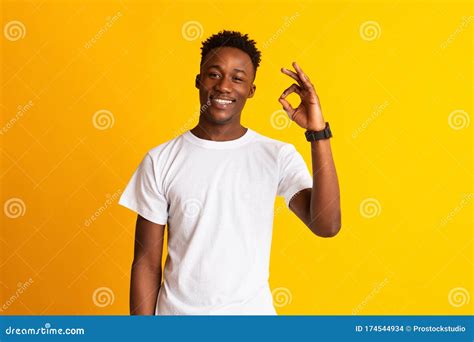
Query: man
[215, 187]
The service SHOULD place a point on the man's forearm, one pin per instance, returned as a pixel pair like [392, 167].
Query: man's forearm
[144, 287]
[324, 207]
[325, 198]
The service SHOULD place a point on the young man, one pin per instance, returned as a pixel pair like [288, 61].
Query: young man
[215, 187]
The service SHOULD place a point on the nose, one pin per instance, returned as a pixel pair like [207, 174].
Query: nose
[223, 86]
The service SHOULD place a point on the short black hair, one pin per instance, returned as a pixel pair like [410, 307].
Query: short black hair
[234, 39]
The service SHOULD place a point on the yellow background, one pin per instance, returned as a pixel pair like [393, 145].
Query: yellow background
[388, 101]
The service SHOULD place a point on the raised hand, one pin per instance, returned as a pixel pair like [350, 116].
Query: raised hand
[308, 114]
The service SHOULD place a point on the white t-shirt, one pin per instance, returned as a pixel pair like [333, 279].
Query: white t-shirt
[217, 198]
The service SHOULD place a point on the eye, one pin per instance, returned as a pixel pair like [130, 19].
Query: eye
[238, 79]
[212, 74]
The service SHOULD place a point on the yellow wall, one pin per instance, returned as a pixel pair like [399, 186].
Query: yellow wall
[395, 83]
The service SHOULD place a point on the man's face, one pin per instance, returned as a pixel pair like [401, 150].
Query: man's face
[225, 83]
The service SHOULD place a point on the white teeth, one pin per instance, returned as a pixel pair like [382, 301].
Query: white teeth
[222, 101]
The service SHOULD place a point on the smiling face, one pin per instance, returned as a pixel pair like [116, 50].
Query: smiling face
[225, 83]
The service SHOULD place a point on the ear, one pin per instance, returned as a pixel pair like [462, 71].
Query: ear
[198, 81]
[253, 88]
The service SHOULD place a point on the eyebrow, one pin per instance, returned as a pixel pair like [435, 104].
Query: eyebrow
[218, 67]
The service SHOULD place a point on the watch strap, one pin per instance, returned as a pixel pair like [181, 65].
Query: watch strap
[318, 135]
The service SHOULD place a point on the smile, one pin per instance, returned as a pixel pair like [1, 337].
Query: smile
[220, 101]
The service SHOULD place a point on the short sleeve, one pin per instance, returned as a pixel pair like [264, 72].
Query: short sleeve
[144, 195]
[294, 175]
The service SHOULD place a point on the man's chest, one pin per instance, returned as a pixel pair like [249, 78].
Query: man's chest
[220, 178]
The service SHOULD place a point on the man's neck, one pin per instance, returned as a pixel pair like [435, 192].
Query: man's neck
[218, 133]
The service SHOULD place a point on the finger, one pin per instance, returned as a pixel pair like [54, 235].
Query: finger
[294, 88]
[304, 78]
[287, 107]
[293, 75]
[296, 114]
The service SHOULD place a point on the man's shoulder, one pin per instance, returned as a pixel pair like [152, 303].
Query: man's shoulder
[273, 143]
[166, 147]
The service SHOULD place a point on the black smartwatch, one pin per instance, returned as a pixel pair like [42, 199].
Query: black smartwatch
[318, 135]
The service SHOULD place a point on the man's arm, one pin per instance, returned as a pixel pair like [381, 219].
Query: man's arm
[319, 207]
[146, 267]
